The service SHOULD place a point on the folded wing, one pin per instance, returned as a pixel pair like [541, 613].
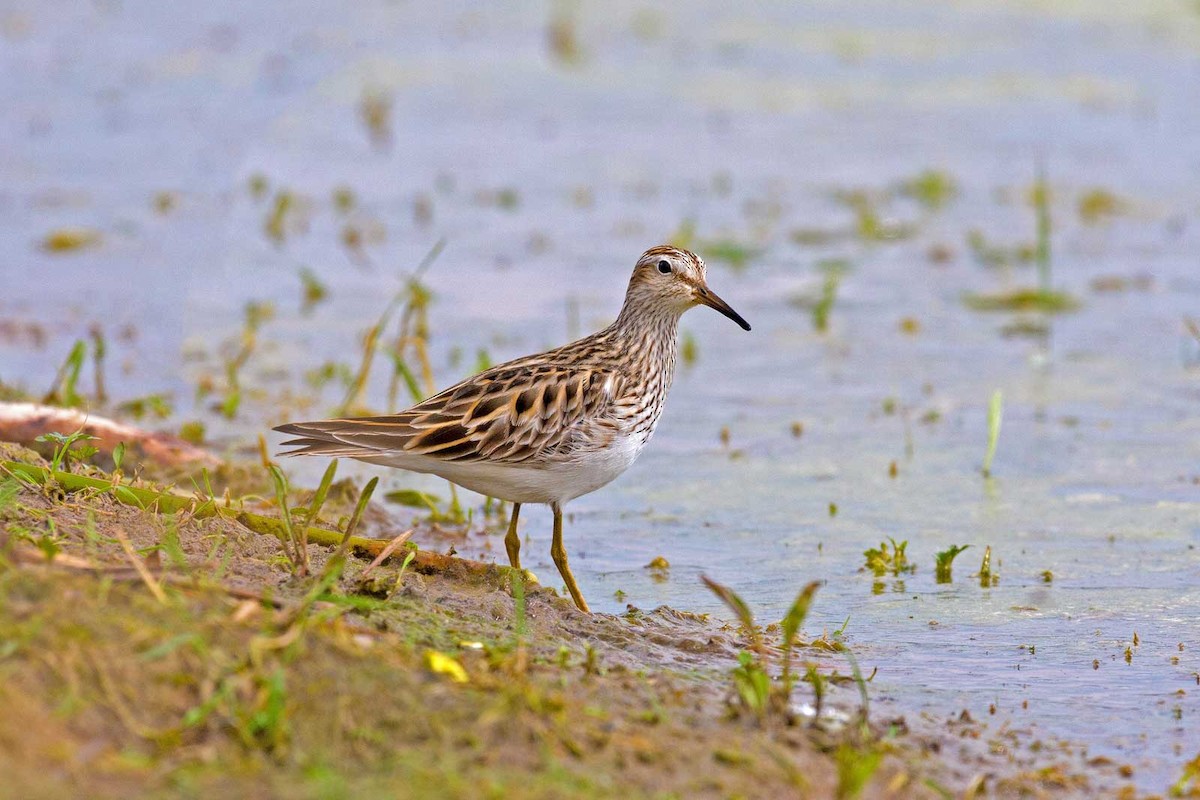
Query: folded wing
[513, 413]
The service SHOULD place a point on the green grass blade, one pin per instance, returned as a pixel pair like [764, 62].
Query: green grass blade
[995, 416]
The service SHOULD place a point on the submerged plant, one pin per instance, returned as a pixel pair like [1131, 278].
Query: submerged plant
[944, 561]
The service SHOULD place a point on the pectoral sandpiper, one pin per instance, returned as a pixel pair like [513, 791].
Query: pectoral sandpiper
[549, 427]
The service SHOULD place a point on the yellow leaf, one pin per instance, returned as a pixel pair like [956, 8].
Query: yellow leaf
[443, 664]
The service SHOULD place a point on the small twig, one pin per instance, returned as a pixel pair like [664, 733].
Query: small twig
[140, 566]
[392, 547]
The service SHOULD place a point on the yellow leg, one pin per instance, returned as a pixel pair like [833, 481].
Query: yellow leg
[559, 554]
[512, 543]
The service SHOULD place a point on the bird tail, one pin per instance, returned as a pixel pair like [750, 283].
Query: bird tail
[314, 439]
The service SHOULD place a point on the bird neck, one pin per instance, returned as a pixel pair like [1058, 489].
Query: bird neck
[649, 333]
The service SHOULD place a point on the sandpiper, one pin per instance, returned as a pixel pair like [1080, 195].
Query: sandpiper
[545, 428]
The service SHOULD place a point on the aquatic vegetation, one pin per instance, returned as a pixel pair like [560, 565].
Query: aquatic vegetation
[659, 569]
[689, 350]
[931, 188]
[375, 113]
[562, 37]
[994, 418]
[1098, 205]
[71, 239]
[790, 626]
[192, 431]
[64, 390]
[99, 351]
[990, 254]
[1044, 297]
[313, 291]
[869, 224]
[893, 560]
[822, 308]
[1040, 197]
[156, 406]
[344, 199]
[279, 222]
[1022, 299]
[730, 251]
[944, 562]
[1188, 784]
[988, 577]
[754, 689]
[237, 352]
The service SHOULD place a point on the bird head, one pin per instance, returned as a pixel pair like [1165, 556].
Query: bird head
[675, 278]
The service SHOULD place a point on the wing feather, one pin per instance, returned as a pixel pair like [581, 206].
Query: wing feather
[513, 413]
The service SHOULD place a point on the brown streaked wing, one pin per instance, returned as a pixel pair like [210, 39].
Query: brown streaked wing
[506, 415]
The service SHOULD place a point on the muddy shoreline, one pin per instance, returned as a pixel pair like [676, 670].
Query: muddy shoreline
[151, 655]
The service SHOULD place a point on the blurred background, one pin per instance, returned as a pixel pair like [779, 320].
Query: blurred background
[916, 205]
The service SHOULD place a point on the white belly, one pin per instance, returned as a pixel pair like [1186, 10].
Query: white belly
[519, 483]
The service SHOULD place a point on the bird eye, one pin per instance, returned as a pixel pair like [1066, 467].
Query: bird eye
[664, 266]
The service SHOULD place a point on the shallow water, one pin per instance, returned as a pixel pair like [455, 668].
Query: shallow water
[745, 126]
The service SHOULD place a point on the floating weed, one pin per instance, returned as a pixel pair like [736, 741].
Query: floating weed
[869, 224]
[375, 112]
[238, 352]
[990, 254]
[995, 417]
[344, 200]
[884, 560]
[70, 239]
[660, 569]
[155, 406]
[824, 305]
[944, 561]
[730, 251]
[987, 576]
[192, 431]
[1044, 297]
[1040, 197]
[689, 350]
[1098, 205]
[63, 391]
[931, 188]
[312, 290]
[562, 37]
[277, 224]
[1022, 299]
[258, 185]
